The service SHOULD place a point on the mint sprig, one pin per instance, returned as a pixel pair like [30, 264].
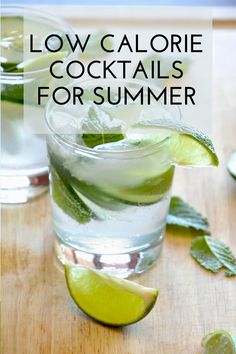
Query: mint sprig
[68, 201]
[213, 255]
[64, 195]
[210, 253]
[99, 129]
[182, 214]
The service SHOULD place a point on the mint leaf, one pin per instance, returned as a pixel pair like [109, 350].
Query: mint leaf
[100, 129]
[64, 195]
[68, 200]
[92, 140]
[202, 254]
[223, 254]
[182, 214]
[232, 164]
[213, 255]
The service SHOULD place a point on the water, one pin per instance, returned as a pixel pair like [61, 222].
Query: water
[24, 162]
[110, 211]
[123, 242]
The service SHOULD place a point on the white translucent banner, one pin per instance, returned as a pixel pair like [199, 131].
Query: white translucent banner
[117, 71]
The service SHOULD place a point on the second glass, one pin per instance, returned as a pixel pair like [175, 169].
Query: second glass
[24, 162]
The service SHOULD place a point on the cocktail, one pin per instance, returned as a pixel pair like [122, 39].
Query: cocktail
[24, 163]
[111, 174]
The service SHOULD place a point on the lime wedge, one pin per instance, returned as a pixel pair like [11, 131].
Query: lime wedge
[232, 164]
[188, 146]
[218, 342]
[108, 299]
[41, 62]
[12, 42]
[149, 192]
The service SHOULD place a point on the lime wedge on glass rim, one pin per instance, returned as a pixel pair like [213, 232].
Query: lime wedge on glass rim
[188, 146]
[185, 146]
[219, 342]
[109, 299]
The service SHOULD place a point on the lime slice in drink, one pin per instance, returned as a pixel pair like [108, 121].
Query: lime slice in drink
[188, 146]
[219, 342]
[183, 146]
[108, 299]
[12, 42]
[41, 62]
[14, 31]
[232, 164]
[148, 192]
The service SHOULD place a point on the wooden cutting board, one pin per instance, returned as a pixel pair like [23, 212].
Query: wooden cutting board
[38, 316]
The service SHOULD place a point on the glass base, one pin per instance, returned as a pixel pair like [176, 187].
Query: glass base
[20, 189]
[123, 265]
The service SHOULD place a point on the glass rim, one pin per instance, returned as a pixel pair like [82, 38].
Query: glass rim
[114, 154]
[40, 15]
[106, 152]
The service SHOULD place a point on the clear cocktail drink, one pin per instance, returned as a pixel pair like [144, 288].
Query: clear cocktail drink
[110, 183]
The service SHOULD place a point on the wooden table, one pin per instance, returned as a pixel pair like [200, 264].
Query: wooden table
[38, 316]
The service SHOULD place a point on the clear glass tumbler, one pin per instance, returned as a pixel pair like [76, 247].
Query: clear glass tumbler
[24, 162]
[110, 189]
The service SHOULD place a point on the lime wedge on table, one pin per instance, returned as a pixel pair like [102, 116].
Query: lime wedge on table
[219, 342]
[232, 164]
[108, 299]
[188, 146]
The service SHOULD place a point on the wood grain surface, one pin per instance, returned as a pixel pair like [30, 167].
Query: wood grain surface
[38, 316]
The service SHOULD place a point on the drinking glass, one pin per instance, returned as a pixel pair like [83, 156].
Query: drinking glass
[24, 162]
[110, 191]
